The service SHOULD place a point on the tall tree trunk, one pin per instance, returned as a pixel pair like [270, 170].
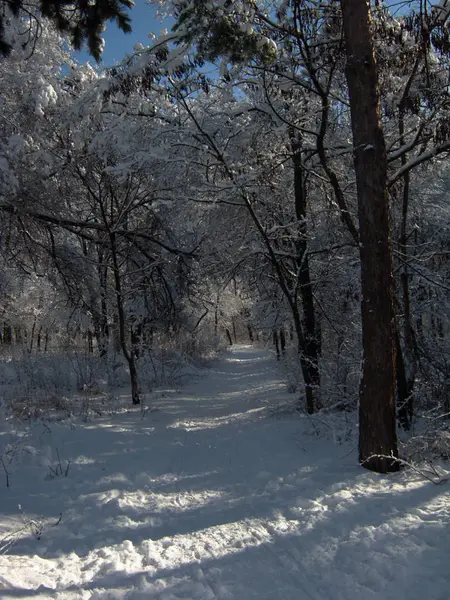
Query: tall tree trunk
[377, 423]
[216, 316]
[233, 326]
[7, 334]
[282, 341]
[311, 348]
[406, 362]
[276, 343]
[90, 341]
[33, 329]
[404, 389]
[309, 371]
[128, 354]
[137, 339]
[103, 327]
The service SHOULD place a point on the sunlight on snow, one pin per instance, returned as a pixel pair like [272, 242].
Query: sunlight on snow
[214, 500]
[157, 502]
[214, 422]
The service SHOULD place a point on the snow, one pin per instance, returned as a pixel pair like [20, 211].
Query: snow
[209, 497]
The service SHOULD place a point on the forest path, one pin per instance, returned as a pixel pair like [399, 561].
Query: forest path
[209, 498]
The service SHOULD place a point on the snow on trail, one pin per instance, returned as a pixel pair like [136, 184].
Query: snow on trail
[209, 498]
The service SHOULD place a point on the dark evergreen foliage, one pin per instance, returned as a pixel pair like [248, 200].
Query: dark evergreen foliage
[82, 20]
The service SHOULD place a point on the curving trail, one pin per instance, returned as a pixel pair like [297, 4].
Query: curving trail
[209, 498]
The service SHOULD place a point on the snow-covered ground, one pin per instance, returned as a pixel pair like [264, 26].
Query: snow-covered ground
[209, 498]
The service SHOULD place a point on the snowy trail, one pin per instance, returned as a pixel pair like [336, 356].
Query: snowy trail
[208, 498]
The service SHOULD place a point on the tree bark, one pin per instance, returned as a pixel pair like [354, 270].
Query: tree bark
[311, 349]
[377, 423]
[102, 332]
[309, 369]
[282, 341]
[406, 354]
[404, 390]
[276, 343]
[128, 354]
[7, 335]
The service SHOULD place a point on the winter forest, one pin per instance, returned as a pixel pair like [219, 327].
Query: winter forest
[226, 256]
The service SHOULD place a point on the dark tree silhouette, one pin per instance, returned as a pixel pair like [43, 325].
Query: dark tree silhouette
[82, 20]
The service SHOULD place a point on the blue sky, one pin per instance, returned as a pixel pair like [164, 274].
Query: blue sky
[143, 21]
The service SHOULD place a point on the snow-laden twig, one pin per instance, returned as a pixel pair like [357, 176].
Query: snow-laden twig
[437, 480]
[58, 470]
[34, 527]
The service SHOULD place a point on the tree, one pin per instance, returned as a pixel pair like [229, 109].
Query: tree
[133, 181]
[377, 424]
[82, 21]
